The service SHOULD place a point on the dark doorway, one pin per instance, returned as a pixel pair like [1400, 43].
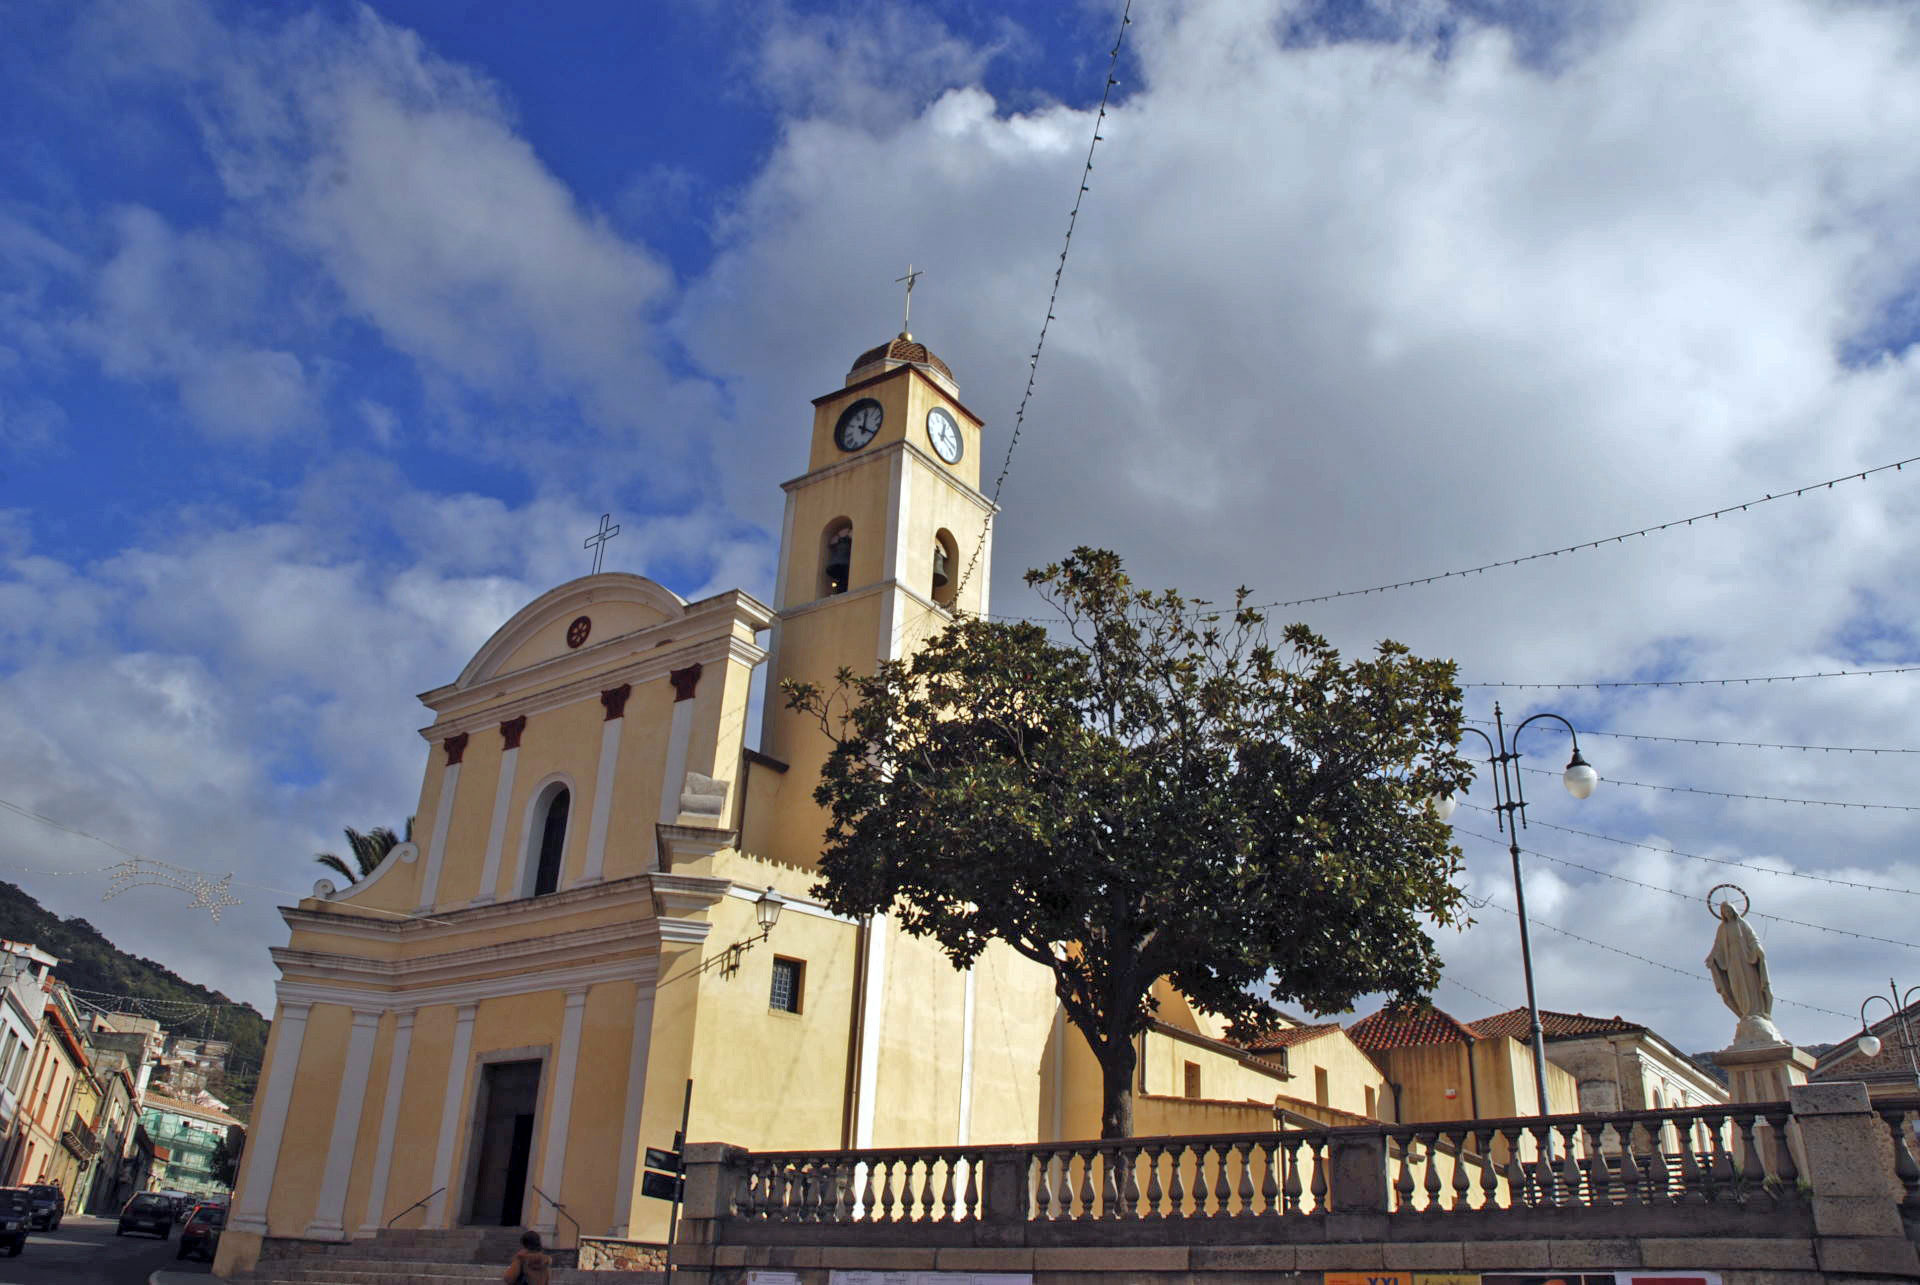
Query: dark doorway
[503, 1127]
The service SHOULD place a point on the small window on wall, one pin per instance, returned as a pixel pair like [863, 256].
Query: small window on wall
[1320, 1093]
[789, 975]
[553, 843]
[1191, 1085]
[1371, 1113]
[836, 557]
[946, 568]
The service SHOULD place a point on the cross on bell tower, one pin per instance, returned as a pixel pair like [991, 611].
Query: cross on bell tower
[906, 314]
[598, 540]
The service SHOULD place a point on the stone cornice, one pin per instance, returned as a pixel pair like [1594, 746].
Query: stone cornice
[939, 470]
[484, 706]
[643, 969]
[526, 955]
[635, 890]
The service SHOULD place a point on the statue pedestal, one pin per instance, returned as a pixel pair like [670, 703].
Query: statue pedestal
[1763, 1072]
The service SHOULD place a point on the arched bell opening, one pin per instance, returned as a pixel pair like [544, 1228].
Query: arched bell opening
[836, 557]
[946, 568]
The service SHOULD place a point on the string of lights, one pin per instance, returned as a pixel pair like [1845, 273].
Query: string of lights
[1704, 682]
[1624, 536]
[1053, 296]
[1755, 798]
[1652, 963]
[1744, 745]
[1455, 982]
[1687, 896]
[1718, 861]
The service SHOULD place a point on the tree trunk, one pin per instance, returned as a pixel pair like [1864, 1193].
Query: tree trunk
[1116, 1058]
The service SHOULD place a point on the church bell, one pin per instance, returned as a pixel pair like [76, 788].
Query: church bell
[940, 566]
[839, 559]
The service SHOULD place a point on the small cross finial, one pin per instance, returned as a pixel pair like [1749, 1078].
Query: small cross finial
[598, 540]
[907, 313]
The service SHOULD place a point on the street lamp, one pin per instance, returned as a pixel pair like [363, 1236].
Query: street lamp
[1510, 807]
[1869, 1043]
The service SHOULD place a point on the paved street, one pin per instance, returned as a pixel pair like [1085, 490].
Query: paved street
[86, 1252]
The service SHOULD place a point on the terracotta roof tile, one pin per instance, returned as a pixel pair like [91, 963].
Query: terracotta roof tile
[1286, 1037]
[1409, 1026]
[1557, 1026]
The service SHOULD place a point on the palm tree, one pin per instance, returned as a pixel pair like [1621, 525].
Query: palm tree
[368, 850]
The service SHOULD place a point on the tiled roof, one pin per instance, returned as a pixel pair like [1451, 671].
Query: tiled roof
[901, 348]
[158, 1101]
[1557, 1026]
[1410, 1026]
[1286, 1037]
[1845, 1061]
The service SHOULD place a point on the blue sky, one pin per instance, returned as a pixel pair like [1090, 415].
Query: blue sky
[327, 332]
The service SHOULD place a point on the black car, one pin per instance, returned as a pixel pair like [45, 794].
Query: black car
[201, 1234]
[16, 1211]
[49, 1206]
[149, 1212]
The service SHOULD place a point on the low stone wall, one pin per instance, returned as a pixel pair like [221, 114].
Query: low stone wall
[605, 1254]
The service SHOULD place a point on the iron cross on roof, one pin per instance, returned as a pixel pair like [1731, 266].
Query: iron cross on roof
[598, 540]
[906, 314]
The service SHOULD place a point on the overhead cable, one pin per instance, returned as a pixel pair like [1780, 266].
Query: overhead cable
[1718, 861]
[1744, 745]
[1709, 682]
[1755, 798]
[1053, 295]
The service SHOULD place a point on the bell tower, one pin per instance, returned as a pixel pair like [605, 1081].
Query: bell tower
[874, 548]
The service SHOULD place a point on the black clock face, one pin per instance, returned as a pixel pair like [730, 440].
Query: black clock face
[858, 423]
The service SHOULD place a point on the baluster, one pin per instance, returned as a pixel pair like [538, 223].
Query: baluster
[1693, 1181]
[1784, 1168]
[1403, 1180]
[1519, 1188]
[1269, 1188]
[1110, 1182]
[886, 1190]
[1570, 1170]
[1725, 1176]
[971, 1210]
[1599, 1168]
[1151, 1206]
[804, 1192]
[1177, 1187]
[1462, 1183]
[842, 1181]
[1290, 1184]
[1130, 1185]
[947, 1214]
[929, 1193]
[1545, 1171]
[867, 1196]
[1432, 1183]
[1753, 1169]
[1087, 1207]
[747, 1195]
[1043, 1186]
[1903, 1162]
[1630, 1187]
[1245, 1151]
[1318, 1183]
[1660, 1177]
[1222, 1192]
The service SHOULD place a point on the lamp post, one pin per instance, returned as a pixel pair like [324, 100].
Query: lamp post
[1897, 1005]
[1510, 807]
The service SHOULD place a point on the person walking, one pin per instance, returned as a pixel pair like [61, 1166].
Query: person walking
[530, 1264]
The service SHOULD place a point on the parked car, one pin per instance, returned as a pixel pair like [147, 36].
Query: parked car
[200, 1235]
[149, 1212]
[49, 1206]
[16, 1211]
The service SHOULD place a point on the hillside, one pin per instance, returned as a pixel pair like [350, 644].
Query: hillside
[89, 962]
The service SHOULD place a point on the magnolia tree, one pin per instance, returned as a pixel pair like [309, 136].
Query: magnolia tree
[1160, 790]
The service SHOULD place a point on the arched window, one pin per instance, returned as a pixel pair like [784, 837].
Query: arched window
[553, 842]
[836, 557]
[946, 567]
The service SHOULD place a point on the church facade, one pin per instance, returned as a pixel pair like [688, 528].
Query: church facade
[495, 1024]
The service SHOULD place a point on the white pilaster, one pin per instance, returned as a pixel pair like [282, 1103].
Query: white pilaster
[636, 1102]
[894, 555]
[679, 737]
[553, 1152]
[602, 802]
[964, 1133]
[772, 701]
[263, 1148]
[456, 1095]
[389, 1121]
[437, 841]
[872, 1010]
[330, 1212]
[497, 830]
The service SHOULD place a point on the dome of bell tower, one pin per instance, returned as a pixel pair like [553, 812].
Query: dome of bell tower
[902, 350]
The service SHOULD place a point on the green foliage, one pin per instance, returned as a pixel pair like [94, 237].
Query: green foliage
[368, 851]
[89, 962]
[1164, 794]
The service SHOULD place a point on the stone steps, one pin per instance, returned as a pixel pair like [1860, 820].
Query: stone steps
[459, 1256]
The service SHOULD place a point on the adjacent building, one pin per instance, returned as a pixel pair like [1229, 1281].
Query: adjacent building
[189, 1134]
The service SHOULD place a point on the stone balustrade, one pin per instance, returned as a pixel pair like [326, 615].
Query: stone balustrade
[1827, 1177]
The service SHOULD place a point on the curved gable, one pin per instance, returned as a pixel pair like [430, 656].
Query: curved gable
[616, 602]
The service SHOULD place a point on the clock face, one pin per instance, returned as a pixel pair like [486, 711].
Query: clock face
[944, 433]
[858, 423]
